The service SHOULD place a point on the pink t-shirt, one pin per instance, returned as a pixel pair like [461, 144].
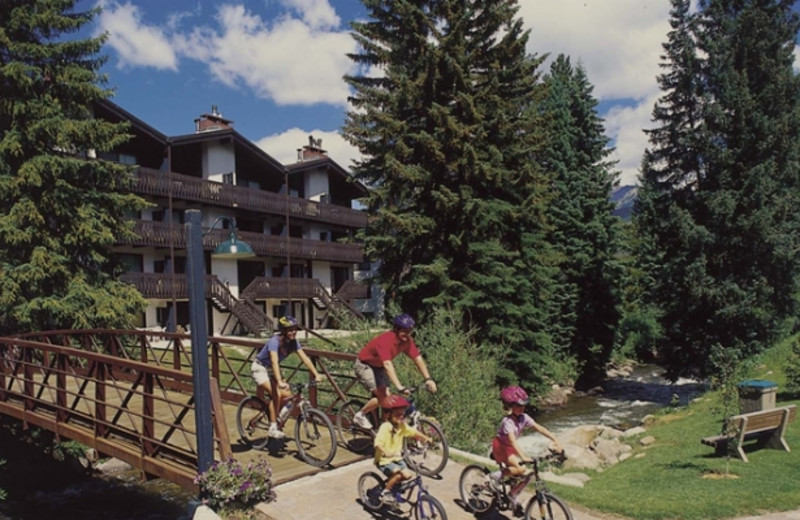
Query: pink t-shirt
[385, 347]
[510, 424]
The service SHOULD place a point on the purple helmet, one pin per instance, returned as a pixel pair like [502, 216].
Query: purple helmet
[287, 323]
[403, 321]
[514, 395]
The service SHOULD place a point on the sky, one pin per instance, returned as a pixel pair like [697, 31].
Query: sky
[275, 67]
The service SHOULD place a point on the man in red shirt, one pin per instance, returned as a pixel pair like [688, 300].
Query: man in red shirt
[375, 369]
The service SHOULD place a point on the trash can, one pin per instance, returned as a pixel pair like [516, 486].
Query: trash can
[756, 395]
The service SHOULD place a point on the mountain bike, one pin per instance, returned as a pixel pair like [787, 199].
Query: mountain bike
[480, 493]
[404, 500]
[429, 458]
[313, 430]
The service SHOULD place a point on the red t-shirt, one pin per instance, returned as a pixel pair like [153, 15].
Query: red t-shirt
[385, 347]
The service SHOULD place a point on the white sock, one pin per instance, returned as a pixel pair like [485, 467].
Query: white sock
[497, 475]
[273, 426]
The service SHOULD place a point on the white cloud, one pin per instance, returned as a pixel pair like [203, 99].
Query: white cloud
[627, 125]
[318, 14]
[288, 62]
[619, 43]
[136, 44]
[283, 147]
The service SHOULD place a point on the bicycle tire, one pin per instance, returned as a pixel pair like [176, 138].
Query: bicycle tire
[555, 508]
[252, 421]
[429, 508]
[473, 486]
[352, 436]
[315, 438]
[429, 460]
[370, 487]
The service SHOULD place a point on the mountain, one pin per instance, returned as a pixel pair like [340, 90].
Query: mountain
[623, 197]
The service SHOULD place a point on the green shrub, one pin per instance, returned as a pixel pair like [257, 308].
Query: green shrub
[465, 372]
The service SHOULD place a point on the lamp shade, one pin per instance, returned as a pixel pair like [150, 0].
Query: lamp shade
[233, 248]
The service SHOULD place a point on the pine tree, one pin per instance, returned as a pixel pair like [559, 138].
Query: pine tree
[445, 114]
[585, 231]
[59, 212]
[721, 181]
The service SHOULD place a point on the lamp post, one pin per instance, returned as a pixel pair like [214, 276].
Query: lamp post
[195, 272]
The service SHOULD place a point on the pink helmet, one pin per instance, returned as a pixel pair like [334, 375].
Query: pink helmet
[514, 395]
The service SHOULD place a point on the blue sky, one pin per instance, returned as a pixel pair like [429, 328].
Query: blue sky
[275, 66]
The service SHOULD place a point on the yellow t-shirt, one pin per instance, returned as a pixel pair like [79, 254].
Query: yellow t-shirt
[390, 442]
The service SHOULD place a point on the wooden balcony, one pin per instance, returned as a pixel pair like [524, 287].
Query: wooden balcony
[184, 187]
[160, 235]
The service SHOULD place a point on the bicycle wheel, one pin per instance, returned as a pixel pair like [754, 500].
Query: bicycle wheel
[352, 436]
[370, 486]
[552, 508]
[429, 508]
[252, 421]
[315, 437]
[428, 459]
[473, 485]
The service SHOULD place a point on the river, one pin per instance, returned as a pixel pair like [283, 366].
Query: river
[621, 402]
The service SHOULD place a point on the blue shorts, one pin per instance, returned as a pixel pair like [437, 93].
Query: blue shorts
[393, 467]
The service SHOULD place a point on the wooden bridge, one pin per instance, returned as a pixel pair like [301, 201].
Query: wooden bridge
[128, 394]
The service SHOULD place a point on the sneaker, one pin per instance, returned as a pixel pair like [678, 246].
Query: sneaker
[495, 484]
[274, 432]
[387, 498]
[362, 421]
[519, 510]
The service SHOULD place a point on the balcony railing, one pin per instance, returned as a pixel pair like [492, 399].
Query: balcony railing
[184, 187]
[160, 234]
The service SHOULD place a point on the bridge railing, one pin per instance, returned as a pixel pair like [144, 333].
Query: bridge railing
[230, 359]
[118, 406]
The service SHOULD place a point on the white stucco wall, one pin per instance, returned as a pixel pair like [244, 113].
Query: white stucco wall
[218, 159]
[316, 185]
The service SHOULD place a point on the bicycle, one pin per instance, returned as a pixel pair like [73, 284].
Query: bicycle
[313, 430]
[424, 505]
[429, 458]
[480, 494]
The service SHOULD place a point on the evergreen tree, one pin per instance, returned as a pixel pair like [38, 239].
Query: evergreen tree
[59, 212]
[445, 112]
[721, 181]
[585, 231]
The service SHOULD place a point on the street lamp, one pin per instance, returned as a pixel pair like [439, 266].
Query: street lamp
[195, 270]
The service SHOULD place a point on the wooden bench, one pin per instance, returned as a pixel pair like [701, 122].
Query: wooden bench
[767, 426]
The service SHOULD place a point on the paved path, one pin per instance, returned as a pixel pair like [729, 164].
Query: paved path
[332, 495]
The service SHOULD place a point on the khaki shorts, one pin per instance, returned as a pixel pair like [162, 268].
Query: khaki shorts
[260, 373]
[371, 377]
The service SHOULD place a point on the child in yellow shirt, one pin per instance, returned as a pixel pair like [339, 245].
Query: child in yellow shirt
[389, 444]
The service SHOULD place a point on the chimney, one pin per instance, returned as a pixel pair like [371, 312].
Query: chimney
[313, 150]
[211, 122]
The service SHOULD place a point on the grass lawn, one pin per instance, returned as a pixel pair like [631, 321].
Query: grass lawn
[677, 477]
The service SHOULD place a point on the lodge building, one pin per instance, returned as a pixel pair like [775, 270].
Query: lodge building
[298, 218]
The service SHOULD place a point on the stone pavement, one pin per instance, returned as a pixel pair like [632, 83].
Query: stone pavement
[333, 495]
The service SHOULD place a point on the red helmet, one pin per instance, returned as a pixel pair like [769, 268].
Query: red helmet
[514, 395]
[395, 401]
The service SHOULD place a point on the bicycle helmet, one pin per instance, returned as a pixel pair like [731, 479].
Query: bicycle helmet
[403, 321]
[514, 395]
[395, 401]
[287, 323]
